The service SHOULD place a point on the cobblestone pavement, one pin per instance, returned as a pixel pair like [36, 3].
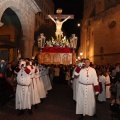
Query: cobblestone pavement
[57, 106]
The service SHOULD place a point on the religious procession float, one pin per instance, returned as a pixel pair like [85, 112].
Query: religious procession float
[59, 50]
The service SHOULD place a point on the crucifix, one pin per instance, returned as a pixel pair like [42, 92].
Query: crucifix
[59, 19]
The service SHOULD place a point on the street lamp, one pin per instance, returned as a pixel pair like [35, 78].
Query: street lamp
[78, 24]
[81, 54]
[41, 41]
[73, 41]
[78, 58]
[73, 45]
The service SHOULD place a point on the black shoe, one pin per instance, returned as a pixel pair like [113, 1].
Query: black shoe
[94, 117]
[42, 100]
[36, 106]
[74, 102]
[30, 112]
[21, 113]
[81, 117]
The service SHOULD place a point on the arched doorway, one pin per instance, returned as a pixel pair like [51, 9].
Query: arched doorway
[10, 36]
[25, 11]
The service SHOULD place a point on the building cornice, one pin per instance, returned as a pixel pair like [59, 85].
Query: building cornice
[38, 8]
[104, 14]
[33, 5]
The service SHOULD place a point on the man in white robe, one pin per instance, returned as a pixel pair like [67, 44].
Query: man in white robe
[102, 94]
[23, 94]
[48, 83]
[34, 89]
[40, 85]
[41, 69]
[42, 77]
[75, 75]
[107, 79]
[88, 87]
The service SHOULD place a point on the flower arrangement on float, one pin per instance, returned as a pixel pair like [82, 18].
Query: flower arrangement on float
[64, 42]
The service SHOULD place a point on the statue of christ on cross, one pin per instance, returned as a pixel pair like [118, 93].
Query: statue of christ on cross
[57, 20]
[58, 25]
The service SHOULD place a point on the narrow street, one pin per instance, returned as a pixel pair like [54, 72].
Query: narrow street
[57, 106]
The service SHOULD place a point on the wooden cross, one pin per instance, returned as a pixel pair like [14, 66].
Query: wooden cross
[59, 15]
[56, 18]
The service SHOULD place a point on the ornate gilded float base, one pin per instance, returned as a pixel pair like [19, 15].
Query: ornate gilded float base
[51, 55]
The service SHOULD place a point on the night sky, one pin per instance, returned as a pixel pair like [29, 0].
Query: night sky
[74, 7]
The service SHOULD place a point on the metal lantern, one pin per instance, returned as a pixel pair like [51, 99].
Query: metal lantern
[73, 41]
[41, 41]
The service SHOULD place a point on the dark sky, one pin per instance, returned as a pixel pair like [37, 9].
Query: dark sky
[74, 7]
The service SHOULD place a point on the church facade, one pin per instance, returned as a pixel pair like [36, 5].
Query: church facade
[100, 31]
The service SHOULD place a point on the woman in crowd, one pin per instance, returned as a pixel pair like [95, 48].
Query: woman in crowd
[67, 76]
[115, 87]
[101, 79]
[10, 79]
[107, 80]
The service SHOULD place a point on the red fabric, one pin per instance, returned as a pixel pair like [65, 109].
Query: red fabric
[96, 88]
[17, 69]
[57, 50]
[108, 84]
[36, 70]
[3, 75]
[100, 85]
[31, 66]
[78, 69]
[27, 70]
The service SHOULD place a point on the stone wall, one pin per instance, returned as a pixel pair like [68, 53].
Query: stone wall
[100, 38]
[25, 10]
[107, 38]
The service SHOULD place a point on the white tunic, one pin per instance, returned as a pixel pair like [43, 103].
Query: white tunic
[46, 79]
[86, 94]
[102, 95]
[34, 88]
[23, 90]
[31, 87]
[107, 79]
[43, 77]
[75, 85]
[40, 86]
[49, 86]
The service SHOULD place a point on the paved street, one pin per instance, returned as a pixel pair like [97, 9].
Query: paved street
[57, 106]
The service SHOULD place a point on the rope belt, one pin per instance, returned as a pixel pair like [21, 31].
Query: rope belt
[23, 85]
[85, 84]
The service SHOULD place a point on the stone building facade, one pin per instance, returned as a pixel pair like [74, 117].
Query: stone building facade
[100, 31]
[25, 10]
[47, 7]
